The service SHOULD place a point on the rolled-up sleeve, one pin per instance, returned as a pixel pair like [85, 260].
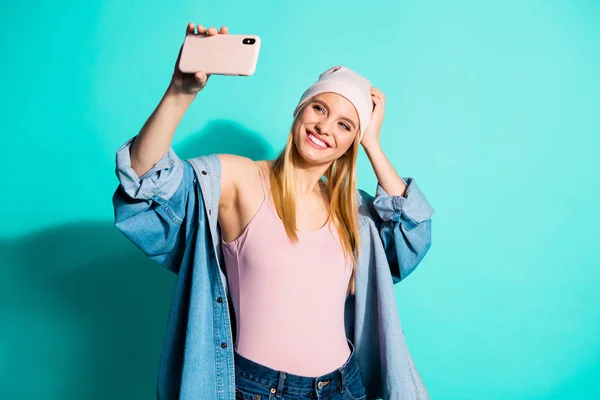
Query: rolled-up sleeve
[405, 227]
[150, 210]
[414, 207]
[161, 180]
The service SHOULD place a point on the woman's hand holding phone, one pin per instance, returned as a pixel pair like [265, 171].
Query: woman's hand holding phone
[192, 83]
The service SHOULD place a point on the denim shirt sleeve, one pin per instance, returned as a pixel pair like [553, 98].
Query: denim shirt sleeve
[405, 227]
[149, 210]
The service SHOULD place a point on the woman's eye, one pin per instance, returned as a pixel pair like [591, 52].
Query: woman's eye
[345, 126]
[318, 108]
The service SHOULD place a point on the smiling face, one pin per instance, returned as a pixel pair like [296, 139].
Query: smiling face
[325, 128]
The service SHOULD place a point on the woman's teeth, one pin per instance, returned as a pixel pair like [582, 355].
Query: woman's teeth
[320, 143]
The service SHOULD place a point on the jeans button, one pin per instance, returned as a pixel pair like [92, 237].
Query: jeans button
[320, 385]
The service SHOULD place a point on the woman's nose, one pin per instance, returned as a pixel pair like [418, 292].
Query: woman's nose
[322, 127]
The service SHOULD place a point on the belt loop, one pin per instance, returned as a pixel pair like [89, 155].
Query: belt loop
[280, 384]
[342, 380]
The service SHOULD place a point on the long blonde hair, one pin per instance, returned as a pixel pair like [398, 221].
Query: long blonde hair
[340, 179]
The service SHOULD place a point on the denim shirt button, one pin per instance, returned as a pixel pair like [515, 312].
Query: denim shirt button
[223, 345]
[220, 300]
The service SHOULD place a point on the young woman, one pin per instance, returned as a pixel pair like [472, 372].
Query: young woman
[306, 262]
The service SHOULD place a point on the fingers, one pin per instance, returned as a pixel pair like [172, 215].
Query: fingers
[377, 95]
[377, 92]
[189, 29]
[376, 102]
[203, 31]
[200, 76]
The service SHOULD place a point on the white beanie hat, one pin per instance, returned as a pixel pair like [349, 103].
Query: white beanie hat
[345, 82]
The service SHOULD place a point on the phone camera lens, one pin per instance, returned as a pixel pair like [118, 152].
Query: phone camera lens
[248, 41]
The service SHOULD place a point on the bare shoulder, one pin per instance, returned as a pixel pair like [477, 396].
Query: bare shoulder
[236, 172]
[265, 167]
[233, 171]
[233, 162]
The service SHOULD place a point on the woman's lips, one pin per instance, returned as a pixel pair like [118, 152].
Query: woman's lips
[322, 145]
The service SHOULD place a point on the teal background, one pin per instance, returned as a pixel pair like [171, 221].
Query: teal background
[493, 107]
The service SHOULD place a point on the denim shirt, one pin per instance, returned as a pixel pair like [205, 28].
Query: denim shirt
[170, 213]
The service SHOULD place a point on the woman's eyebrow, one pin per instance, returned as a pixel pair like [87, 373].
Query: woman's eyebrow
[321, 102]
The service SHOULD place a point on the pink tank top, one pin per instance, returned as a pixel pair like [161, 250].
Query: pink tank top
[288, 297]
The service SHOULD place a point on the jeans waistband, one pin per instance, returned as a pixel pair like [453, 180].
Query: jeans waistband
[297, 384]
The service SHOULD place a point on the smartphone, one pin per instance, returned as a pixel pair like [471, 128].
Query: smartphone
[221, 54]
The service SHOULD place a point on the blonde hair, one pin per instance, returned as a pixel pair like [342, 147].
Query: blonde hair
[340, 179]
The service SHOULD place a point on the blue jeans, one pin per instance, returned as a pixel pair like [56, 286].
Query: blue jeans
[254, 381]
